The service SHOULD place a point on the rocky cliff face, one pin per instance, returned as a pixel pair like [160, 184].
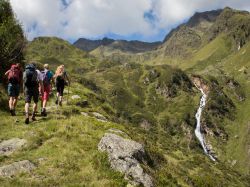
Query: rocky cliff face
[89, 45]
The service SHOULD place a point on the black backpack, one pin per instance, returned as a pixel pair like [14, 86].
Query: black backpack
[30, 76]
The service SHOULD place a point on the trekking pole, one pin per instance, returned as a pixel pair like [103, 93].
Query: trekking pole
[68, 94]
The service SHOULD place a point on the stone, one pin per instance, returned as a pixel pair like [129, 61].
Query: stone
[41, 160]
[145, 124]
[233, 163]
[74, 97]
[125, 156]
[84, 114]
[100, 117]
[16, 168]
[7, 147]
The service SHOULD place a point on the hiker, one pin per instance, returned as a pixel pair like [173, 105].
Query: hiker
[14, 81]
[33, 84]
[47, 76]
[61, 79]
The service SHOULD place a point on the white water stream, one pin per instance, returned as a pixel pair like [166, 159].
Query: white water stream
[198, 126]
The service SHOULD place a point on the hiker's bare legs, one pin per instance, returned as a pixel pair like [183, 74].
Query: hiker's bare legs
[60, 98]
[26, 108]
[34, 108]
[11, 103]
[44, 104]
[27, 105]
[15, 102]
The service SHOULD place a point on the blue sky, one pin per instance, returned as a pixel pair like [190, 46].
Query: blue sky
[146, 20]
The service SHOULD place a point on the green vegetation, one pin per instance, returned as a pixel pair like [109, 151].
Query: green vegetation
[151, 97]
[12, 40]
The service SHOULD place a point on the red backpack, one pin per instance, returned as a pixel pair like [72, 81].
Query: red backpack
[14, 75]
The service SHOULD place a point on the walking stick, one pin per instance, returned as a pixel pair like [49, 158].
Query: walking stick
[68, 94]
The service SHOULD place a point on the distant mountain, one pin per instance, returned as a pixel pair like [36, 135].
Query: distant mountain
[203, 27]
[89, 45]
[123, 45]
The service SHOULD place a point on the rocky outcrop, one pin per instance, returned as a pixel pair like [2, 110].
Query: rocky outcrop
[16, 168]
[125, 156]
[199, 83]
[99, 117]
[7, 147]
[75, 97]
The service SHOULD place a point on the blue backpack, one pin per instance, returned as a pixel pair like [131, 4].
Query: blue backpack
[45, 78]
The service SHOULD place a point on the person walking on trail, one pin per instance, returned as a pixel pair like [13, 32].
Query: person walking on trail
[14, 81]
[33, 84]
[47, 76]
[61, 79]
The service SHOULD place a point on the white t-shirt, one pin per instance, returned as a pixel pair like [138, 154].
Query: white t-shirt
[39, 75]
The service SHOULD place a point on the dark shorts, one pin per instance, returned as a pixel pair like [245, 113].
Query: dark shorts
[13, 90]
[60, 88]
[31, 93]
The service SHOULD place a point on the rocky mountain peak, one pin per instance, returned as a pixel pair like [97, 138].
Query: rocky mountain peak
[199, 17]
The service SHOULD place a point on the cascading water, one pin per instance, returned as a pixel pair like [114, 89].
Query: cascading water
[198, 126]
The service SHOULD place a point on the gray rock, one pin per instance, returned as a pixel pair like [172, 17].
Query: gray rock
[84, 114]
[7, 147]
[145, 124]
[125, 156]
[233, 163]
[75, 97]
[16, 168]
[100, 117]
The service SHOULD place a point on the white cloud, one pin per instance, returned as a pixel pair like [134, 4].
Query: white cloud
[170, 12]
[39, 17]
[95, 18]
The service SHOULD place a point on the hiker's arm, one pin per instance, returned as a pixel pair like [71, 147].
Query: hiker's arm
[7, 72]
[21, 81]
[41, 87]
[54, 80]
[67, 77]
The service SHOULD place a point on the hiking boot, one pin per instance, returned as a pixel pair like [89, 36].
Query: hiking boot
[33, 117]
[43, 113]
[27, 121]
[13, 113]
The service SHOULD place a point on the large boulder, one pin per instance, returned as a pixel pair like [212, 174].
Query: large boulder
[7, 147]
[16, 168]
[125, 156]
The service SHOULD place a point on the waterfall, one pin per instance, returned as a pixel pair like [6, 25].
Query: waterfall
[198, 133]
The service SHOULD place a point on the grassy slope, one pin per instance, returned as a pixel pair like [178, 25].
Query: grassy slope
[176, 155]
[67, 141]
[216, 59]
[68, 144]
